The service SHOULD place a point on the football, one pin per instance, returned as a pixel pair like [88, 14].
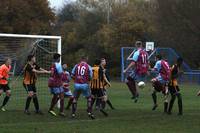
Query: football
[141, 84]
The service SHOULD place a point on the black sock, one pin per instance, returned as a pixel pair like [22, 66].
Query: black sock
[5, 100]
[165, 107]
[103, 104]
[110, 104]
[98, 102]
[93, 101]
[69, 103]
[28, 101]
[180, 106]
[36, 104]
[154, 97]
[171, 103]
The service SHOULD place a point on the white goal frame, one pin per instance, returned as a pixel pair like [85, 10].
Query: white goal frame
[58, 38]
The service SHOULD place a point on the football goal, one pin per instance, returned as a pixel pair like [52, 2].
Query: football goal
[18, 47]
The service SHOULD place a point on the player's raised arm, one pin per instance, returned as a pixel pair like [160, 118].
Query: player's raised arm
[130, 56]
[73, 72]
[134, 59]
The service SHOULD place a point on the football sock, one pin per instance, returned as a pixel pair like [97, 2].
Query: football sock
[89, 107]
[180, 106]
[53, 102]
[6, 99]
[132, 87]
[154, 97]
[69, 103]
[36, 104]
[74, 106]
[61, 104]
[110, 104]
[165, 107]
[171, 103]
[28, 101]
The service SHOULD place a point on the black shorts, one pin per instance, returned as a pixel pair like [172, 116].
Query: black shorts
[159, 87]
[173, 89]
[4, 87]
[98, 93]
[30, 87]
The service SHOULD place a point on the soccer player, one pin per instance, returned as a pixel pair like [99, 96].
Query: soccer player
[82, 74]
[174, 88]
[30, 77]
[160, 82]
[55, 84]
[97, 86]
[139, 64]
[103, 67]
[4, 87]
[66, 79]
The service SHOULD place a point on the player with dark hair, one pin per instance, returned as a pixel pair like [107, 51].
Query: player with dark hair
[4, 76]
[174, 88]
[106, 85]
[55, 84]
[30, 77]
[160, 82]
[140, 66]
[97, 86]
[82, 75]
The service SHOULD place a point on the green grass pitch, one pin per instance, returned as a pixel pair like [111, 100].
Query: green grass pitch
[129, 117]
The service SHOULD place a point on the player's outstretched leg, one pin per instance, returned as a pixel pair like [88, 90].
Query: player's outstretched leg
[6, 99]
[110, 104]
[132, 87]
[180, 106]
[171, 103]
[154, 97]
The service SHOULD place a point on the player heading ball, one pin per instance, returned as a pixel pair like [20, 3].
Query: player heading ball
[139, 67]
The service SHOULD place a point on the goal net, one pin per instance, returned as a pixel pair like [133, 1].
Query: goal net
[18, 47]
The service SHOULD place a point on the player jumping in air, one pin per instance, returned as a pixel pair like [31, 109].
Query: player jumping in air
[55, 84]
[160, 82]
[30, 77]
[82, 74]
[4, 87]
[66, 79]
[139, 64]
[97, 86]
[174, 88]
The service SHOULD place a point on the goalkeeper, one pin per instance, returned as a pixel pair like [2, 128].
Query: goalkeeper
[4, 76]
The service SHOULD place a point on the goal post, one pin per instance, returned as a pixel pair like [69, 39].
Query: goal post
[58, 38]
[18, 47]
